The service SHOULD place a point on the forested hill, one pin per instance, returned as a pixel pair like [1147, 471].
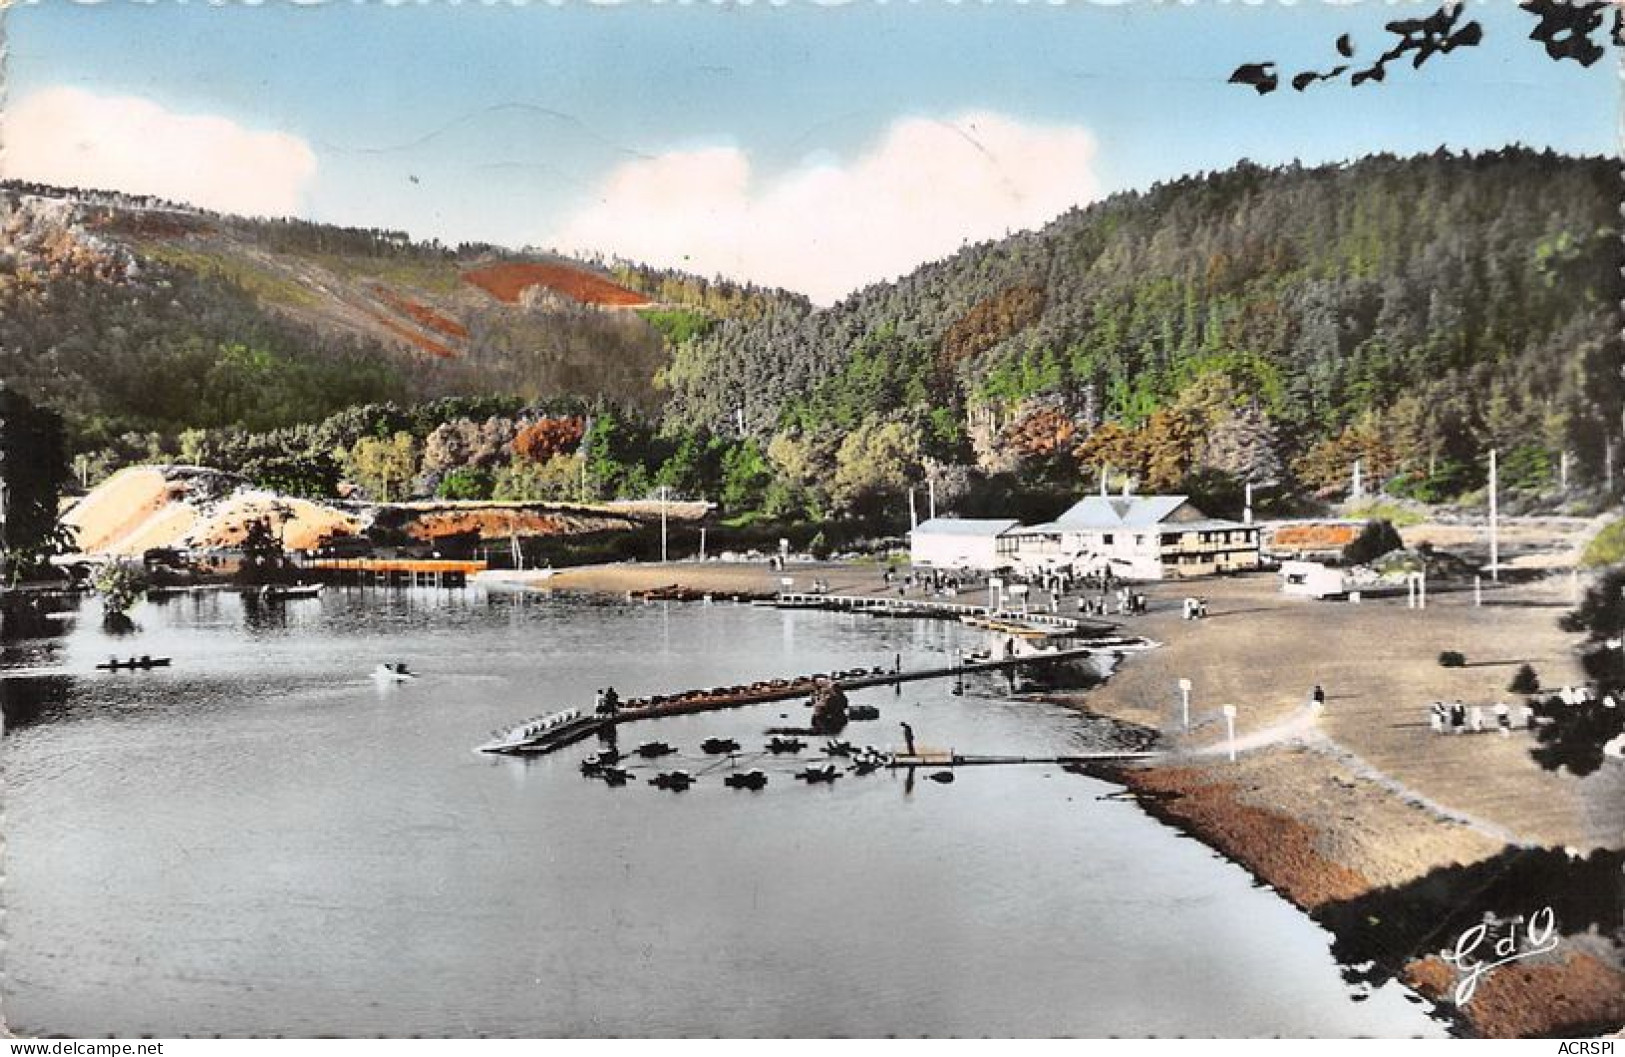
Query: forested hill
[139, 317]
[1273, 323]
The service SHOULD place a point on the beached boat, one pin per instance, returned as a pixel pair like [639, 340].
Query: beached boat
[543, 734]
[393, 672]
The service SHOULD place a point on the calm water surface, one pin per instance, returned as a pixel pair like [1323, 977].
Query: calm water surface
[262, 841]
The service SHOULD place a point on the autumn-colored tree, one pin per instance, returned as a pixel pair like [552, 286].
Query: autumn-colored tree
[1234, 435]
[1041, 434]
[1169, 441]
[1110, 447]
[1327, 468]
[548, 437]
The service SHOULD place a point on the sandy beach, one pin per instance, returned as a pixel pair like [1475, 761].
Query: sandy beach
[1359, 799]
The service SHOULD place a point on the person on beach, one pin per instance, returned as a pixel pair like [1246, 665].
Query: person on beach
[1503, 719]
[1475, 719]
[908, 737]
[1458, 717]
[1436, 717]
[1318, 697]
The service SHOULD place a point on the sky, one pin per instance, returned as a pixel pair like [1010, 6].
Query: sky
[815, 147]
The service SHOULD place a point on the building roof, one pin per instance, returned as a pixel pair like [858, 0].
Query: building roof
[1125, 512]
[1207, 524]
[956, 526]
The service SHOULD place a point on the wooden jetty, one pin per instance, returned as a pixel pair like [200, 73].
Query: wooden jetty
[899, 606]
[766, 691]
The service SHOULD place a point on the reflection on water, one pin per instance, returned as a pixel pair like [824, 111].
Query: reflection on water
[27, 699]
[262, 839]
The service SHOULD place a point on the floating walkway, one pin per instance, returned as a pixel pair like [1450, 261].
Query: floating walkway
[953, 759]
[717, 698]
[889, 606]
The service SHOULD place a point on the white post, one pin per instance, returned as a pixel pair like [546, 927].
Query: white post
[1105, 471]
[1410, 591]
[1185, 701]
[1495, 538]
[1357, 488]
[913, 518]
[1563, 470]
[1478, 590]
[702, 543]
[1230, 729]
[662, 524]
[1422, 590]
[931, 492]
[1247, 506]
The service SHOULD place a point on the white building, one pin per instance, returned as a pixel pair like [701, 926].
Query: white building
[964, 543]
[1152, 537]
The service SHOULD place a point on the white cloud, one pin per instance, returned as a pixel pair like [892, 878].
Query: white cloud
[70, 137]
[827, 228]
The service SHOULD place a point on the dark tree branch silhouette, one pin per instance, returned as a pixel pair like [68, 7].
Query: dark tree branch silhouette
[1564, 27]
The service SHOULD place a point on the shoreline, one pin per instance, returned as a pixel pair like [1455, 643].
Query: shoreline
[1343, 812]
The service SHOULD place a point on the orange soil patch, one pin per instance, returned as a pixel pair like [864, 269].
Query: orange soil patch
[1280, 850]
[422, 341]
[500, 522]
[1532, 999]
[490, 524]
[1314, 537]
[422, 315]
[508, 280]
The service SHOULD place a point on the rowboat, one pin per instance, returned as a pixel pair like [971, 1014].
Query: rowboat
[133, 664]
[393, 672]
[275, 593]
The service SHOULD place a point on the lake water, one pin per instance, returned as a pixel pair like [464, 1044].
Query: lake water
[261, 840]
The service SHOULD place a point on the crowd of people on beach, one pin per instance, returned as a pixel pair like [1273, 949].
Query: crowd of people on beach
[1460, 718]
[929, 581]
